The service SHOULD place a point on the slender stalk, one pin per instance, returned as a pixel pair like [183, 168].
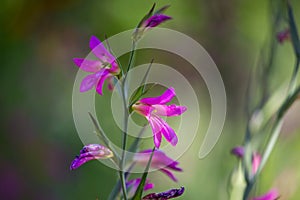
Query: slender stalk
[126, 116]
[123, 184]
[124, 142]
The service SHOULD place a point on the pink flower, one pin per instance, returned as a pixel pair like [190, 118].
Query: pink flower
[155, 107]
[91, 152]
[133, 184]
[170, 194]
[159, 161]
[99, 68]
[271, 195]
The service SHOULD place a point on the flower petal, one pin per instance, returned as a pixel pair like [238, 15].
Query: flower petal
[143, 109]
[169, 174]
[156, 129]
[170, 194]
[91, 152]
[173, 166]
[103, 76]
[168, 110]
[88, 82]
[163, 99]
[166, 130]
[134, 183]
[156, 20]
[114, 68]
[88, 65]
[271, 195]
[159, 161]
[100, 51]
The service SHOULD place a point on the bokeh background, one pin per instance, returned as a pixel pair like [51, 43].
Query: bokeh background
[38, 138]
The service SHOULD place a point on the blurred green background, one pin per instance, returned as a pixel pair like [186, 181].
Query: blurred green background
[38, 137]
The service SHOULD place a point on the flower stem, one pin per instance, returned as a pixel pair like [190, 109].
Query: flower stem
[126, 116]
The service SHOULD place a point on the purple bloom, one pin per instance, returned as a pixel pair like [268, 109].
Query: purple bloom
[155, 20]
[91, 152]
[170, 194]
[271, 195]
[99, 68]
[154, 107]
[159, 161]
[150, 21]
[282, 36]
[133, 184]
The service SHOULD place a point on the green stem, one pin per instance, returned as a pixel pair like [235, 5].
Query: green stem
[126, 115]
[293, 81]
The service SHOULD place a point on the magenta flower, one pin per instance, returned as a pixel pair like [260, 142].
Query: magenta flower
[133, 184]
[155, 20]
[271, 195]
[159, 161]
[170, 194]
[282, 36]
[91, 152]
[155, 107]
[104, 68]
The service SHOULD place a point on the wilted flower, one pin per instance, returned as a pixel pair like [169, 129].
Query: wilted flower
[154, 107]
[133, 184]
[104, 68]
[282, 36]
[91, 152]
[150, 21]
[170, 194]
[271, 195]
[159, 161]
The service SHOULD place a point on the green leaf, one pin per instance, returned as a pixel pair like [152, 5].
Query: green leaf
[139, 192]
[163, 9]
[149, 14]
[101, 135]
